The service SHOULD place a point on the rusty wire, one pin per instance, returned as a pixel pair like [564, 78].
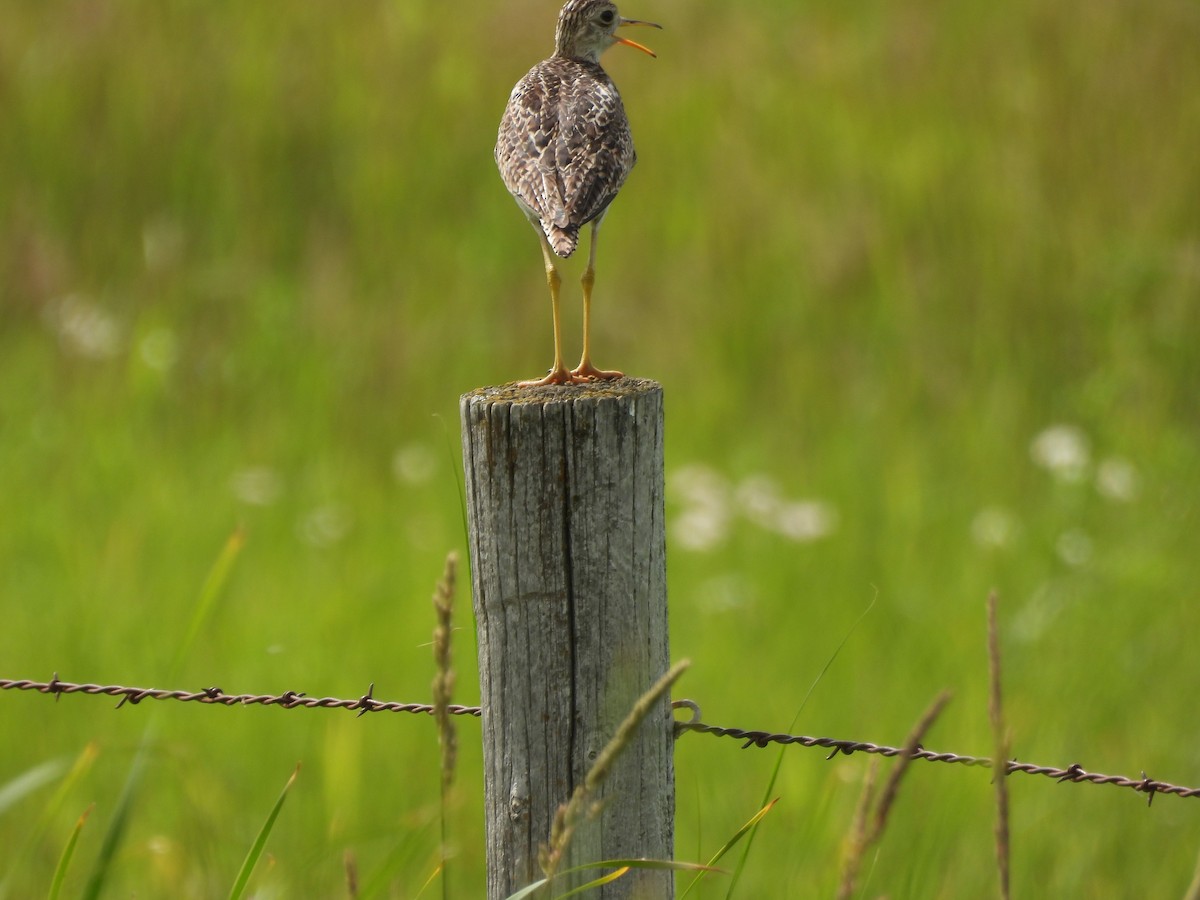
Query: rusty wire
[288, 699]
[1074, 773]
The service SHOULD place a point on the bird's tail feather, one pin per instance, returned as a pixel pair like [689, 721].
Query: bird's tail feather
[563, 241]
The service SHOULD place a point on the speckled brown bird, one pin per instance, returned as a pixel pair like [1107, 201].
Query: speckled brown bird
[564, 150]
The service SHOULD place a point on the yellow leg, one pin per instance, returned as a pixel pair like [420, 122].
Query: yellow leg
[558, 372]
[585, 371]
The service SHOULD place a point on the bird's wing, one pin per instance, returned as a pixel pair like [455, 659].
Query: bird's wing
[564, 147]
[594, 153]
[526, 145]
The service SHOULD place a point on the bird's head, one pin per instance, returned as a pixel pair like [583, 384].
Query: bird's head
[586, 28]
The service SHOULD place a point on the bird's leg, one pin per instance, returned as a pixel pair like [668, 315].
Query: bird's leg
[585, 371]
[558, 372]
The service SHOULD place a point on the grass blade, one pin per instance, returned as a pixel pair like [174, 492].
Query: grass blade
[596, 882]
[741, 866]
[999, 770]
[260, 842]
[439, 869]
[529, 889]
[623, 866]
[868, 835]
[443, 693]
[569, 814]
[210, 592]
[454, 455]
[16, 789]
[673, 865]
[64, 861]
[34, 837]
[116, 828]
[751, 823]
[399, 858]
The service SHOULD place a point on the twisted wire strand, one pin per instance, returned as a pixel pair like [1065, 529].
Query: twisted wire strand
[1073, 773]
[214, 695]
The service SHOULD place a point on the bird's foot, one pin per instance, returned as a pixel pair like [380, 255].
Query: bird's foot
[557, 375]
[586, 373]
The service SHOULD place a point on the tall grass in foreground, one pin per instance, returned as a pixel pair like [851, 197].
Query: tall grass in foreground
[242, 881]
[211, 591]
[443, 692]
[64, 861]
[581, 803]
[1001, 744]
[874, 809]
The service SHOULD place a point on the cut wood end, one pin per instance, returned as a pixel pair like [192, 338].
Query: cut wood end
[567, 393]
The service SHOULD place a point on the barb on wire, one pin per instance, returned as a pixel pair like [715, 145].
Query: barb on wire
[214, 695]
[1073, 773]
[367, 703]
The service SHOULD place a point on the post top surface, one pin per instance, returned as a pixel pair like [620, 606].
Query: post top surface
[568, 393]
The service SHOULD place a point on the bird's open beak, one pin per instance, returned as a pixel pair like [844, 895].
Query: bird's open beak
[634, 44]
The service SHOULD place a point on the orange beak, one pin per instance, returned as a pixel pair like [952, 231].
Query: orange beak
[634, 44]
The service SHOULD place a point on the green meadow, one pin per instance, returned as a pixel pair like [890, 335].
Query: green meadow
[921, 282]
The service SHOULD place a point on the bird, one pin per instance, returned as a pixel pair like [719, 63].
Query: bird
[564, 150]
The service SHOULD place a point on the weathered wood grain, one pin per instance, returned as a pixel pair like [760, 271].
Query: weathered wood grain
[565, 508]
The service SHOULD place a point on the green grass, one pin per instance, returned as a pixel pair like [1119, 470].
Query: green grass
[870, 251]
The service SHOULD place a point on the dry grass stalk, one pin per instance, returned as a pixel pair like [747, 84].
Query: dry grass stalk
[911, 744]
[856, 844]
[581, 804]
[861, 839]
[443, 681]
[443, 691]
[351, 866]
[1000, 757]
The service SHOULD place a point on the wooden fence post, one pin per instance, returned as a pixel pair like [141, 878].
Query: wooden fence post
[565, 511]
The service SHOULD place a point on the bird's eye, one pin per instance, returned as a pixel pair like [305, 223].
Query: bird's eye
[606, 17]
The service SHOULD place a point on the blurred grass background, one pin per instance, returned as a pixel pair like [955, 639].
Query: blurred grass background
[920, 281]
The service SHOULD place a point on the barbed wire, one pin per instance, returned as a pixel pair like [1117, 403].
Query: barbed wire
[214, 695]
[1073, 773]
